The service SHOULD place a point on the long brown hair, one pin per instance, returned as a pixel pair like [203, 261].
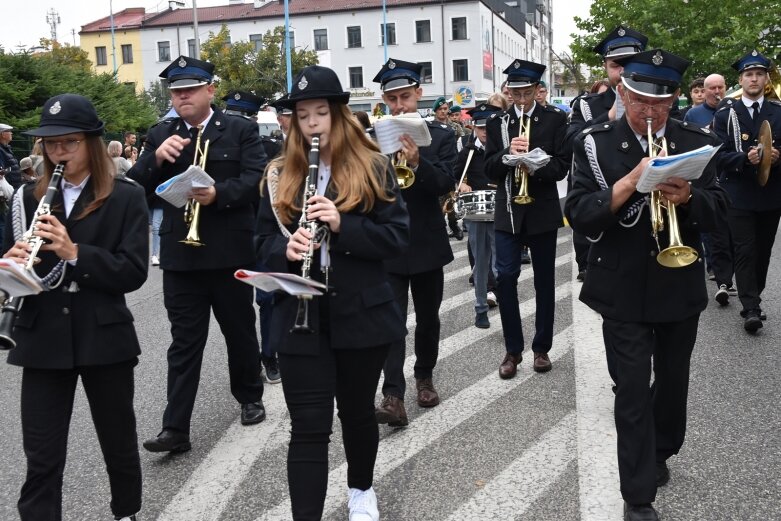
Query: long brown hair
[355, 164]
[100, 167]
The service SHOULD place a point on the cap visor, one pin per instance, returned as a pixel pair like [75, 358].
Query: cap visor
[399, 83]
[186, 83]
[653, 90]
[517, 84]
[61, 130]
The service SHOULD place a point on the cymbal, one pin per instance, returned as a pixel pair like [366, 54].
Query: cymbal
[764, 148]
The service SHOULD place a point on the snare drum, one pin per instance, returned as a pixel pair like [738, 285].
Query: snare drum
[478, 205]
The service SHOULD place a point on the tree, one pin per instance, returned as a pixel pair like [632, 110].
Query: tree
[158, 97]
[711, 36]
[66, 54]
[240, 67]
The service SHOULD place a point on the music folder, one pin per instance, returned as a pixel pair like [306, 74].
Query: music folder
[390, 128]
[177, 189]
[688, 166]
[295, 285]
[15, 281]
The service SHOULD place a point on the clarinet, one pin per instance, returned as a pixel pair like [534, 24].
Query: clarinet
[12, 305]
[318, 232]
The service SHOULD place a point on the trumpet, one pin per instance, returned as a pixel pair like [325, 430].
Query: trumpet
[521, 173]
[676, 255]
[405, 176]
[192, 209]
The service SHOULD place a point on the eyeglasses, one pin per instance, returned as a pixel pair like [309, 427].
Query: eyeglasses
[529, 94]
[658, 108]
[70, 145]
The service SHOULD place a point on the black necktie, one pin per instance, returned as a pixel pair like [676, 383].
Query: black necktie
[755, 113]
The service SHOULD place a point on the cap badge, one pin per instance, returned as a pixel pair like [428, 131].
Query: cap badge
[302, 84]
[754, 52]
[237, 96]
[621, 32]
[517, 64]
[658, 58]
[391, 64]
[182, 63]
[56, 108]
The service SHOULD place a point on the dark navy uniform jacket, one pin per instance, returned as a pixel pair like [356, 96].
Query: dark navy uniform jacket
[736, 175]
[429, 247]
[235, 161]
[625, 282]
[475, 176]
[548, 126]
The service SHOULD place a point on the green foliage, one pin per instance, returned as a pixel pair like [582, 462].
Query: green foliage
[29, 80]
[65, 54]
[712, 36]
[240, 67]
[158, 96]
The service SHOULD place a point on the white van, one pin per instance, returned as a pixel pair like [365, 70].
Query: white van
[267, 123]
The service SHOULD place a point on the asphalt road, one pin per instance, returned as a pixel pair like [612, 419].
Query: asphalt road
[538, 447]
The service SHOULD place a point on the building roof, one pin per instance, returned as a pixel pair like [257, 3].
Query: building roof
[130, 18]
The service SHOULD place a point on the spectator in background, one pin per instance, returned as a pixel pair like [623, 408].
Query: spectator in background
[36, 154]
[498, 100]
[129, 150]
[600, 86]
[696, 93]
[8, 162]
[28, 173]
[121, 165]
[542, 94]
[505, 90]
[702, 114]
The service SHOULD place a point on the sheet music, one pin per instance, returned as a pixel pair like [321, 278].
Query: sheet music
[285, 282]
[532, 160]
[177, 189]
[15, 281]
[688, 166]
[390, 128]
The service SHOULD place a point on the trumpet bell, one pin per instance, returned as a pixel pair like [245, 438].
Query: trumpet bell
[677, 256]
[523, 199]
[404, 176]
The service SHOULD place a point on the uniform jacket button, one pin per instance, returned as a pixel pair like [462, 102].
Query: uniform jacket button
[66, 311]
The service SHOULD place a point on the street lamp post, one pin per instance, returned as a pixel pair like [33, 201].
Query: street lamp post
[288, 50]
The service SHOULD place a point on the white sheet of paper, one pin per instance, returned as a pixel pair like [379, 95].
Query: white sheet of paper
[688, 166]
[15, 281]
[286, 282]
[533, 160]
[177, 189]
[390, 128]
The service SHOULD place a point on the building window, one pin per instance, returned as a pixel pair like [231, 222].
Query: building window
[391, 34]
[127, 53]
[354, 36]
[100, 55]
[321, 39]
[164, 51]
[191, 48]
[459, 28]
[257, 41]
[426, 72]
[460, 70]
[356, 77]
[422, 31]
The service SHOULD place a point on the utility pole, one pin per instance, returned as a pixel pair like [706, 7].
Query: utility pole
[53, 18]
[113, 43]
[195, 30]
[73, 34]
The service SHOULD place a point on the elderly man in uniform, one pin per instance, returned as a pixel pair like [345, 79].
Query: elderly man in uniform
[199, 280]
[421, 269]
[656, 312]
[754, 215]
[532, 223]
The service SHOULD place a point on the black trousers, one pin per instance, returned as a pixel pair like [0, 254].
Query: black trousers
[509, 249]
[310, 385]
[427, 289]
[753, 234]
[47, 405]
[581, 245]
[650, 421]
[190, 297]
[720, 245]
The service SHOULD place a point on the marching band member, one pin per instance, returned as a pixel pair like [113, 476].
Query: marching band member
[82, 328]
[754, 215]
[481, 232]
[199, 280]
[420, 270]
[656, 311]
[534, 225]
[355, 322]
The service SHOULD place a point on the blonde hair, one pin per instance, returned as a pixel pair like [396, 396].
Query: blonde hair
[356, 162]
[114, 149]
[498, 100]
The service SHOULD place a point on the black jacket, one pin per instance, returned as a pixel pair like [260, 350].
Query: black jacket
[235, 161]
[362, 310]
[625, 281]
[92, 326]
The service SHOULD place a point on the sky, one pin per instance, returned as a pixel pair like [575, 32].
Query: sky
[28, 24]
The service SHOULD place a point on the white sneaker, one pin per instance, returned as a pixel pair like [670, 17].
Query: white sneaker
[155, 260]
[491, 298]
[362, 505]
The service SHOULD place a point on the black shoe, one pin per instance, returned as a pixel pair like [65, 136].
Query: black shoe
[762, 315]
[481, 320]
[752, 322]
[525, 258]
[458, 233]
[662, 474]
[271, 364]
[581, 275]
[722, 296]
[252, 413]
[168, 440]
[644, 512]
